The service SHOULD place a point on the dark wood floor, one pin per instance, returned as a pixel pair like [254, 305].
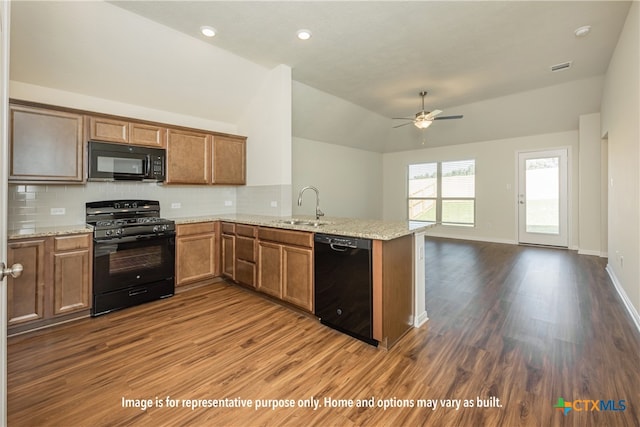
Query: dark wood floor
[520, 324]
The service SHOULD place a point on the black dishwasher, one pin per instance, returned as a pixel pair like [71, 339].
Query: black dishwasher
[343, 285]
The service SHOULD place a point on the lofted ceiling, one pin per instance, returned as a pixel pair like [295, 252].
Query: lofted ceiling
[488, 60]
[381, 54]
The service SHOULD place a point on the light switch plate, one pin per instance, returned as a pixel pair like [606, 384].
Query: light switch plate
[228, 203]
[58, 211]
[176, 205]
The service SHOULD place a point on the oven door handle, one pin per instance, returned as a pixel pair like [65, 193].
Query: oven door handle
[130, 239]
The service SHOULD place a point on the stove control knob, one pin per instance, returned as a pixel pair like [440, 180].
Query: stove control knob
[107, 232]
[156, 228]
[119, 231]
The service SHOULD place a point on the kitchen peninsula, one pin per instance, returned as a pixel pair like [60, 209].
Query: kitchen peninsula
[397, 255]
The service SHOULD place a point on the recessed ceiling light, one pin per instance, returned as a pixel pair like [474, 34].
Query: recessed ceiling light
[207, 31]
[304, 34]
[582, 31]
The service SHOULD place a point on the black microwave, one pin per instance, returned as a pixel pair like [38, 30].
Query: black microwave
[115, 162]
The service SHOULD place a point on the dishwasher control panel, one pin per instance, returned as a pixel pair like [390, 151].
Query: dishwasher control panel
[343, 241]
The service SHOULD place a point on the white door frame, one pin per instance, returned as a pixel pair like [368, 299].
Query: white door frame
[564, 239]
[4, 176]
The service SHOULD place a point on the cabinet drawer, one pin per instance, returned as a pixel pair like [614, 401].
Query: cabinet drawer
[245, 230]
[246, 248]
[287, 237]
[195, 228]
[228, 228]
[68, 243]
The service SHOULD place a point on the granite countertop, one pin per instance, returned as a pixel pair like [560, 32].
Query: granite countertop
[352, 227]
[49, 231]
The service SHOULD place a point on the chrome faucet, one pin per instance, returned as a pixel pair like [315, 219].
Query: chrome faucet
[319, 213]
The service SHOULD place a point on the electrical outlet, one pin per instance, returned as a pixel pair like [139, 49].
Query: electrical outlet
[58, 211]
[274, 204]
[228, 203]
[176, 205]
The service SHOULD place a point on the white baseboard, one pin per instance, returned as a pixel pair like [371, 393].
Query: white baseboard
[590, 252]
[430, 233]
[420, 319]
[623, 296]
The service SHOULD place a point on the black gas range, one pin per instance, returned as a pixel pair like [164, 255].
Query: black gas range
[134, 253]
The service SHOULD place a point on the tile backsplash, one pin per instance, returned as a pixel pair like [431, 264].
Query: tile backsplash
[32, 206]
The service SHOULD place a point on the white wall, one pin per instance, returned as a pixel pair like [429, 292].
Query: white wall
[620, 124]
[496, 183]
[336, 148]
[589, 186]
[349, 180]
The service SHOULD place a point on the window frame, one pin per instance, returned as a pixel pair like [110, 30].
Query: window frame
[439, 198]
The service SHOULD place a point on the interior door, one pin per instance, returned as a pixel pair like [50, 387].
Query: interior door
[542, 198]
[4, 163]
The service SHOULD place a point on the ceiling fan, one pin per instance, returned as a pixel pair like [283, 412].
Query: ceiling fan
[423, 119]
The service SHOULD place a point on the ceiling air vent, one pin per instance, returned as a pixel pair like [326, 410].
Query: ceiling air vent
[560, 67]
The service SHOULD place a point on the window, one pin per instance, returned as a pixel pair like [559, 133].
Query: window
[443, 192]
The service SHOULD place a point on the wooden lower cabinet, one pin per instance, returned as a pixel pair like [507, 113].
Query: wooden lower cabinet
[55, 283]
[297, 277]
[25, 294]
[285, 270]
[228, 256]
[270, 269]
[195, 252]
[72, 261]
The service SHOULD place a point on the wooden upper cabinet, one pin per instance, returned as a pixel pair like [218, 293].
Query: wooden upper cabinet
[148, 135]
[45, 145]
[103, 129]
[188, 157]
[126, 132]
[229, 160]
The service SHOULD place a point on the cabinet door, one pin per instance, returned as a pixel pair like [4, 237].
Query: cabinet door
[110, 130]
[229, 160]
[195, 258]
[188, 157]
[297, 276]
[270, 269]
[228, 256]
[148, 135]
[25, 295]
[71, 281]
[45, 145]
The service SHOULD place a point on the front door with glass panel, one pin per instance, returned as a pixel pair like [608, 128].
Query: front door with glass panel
[542, 198]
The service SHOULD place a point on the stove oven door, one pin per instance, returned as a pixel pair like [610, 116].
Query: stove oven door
[132, 270]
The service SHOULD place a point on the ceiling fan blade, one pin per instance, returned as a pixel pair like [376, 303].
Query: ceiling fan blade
[432, 114]
[403, 118]
[448, 117]
[404, 124]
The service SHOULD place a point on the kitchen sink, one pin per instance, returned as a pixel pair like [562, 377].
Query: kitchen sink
[308, 222]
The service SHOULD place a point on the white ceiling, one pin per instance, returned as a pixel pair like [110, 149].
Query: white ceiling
[487, 60]
[380, 55]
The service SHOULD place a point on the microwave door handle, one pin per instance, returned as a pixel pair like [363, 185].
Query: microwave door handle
[147, 165]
